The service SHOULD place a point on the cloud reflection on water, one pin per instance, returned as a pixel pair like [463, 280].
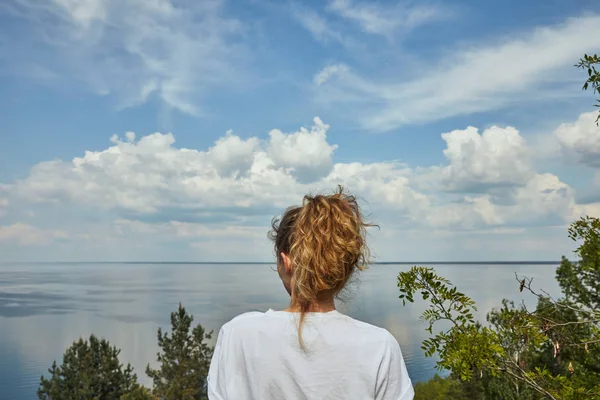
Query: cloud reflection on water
[44, 308]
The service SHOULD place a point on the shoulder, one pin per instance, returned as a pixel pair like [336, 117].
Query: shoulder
[370, 335]
[243, 320]
[376, 332]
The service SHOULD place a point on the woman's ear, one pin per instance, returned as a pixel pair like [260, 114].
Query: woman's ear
[287, 263]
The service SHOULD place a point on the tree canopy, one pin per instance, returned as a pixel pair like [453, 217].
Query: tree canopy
[551, 352]
[589, 63]
[184, 360]
[438, 388]
[90, 369]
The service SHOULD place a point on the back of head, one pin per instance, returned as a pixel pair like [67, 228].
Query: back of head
[325, 241]
[328, 245]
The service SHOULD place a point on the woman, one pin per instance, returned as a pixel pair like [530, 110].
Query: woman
[310, 350]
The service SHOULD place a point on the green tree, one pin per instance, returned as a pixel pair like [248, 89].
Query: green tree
[580, 281]
[588, 63]
[140, 393]
[89, 370]
[438, 388]
[184, 360]
[552, 352]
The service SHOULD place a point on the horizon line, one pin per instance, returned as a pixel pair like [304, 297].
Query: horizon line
[489, 262]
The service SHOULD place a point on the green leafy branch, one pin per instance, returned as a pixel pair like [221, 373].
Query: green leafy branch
[469, 349]
[464, 346]
[588, 63]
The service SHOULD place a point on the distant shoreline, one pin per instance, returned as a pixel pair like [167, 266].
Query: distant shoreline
[273, 262]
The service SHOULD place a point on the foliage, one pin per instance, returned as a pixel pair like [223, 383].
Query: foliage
[465, 347]
[589, 63]
[552, 352]
[580, 281]
[140, 393]
[439, 388]
[184, 360]
[89, 370]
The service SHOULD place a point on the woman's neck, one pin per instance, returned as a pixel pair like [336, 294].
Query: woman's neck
[321, 305]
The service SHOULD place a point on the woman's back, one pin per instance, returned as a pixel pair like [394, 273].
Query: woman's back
[310, 351]
[258, 356]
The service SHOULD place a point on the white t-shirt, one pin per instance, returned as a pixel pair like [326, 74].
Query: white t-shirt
[258, 357]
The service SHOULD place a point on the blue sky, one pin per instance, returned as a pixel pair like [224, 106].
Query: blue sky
[175, 130]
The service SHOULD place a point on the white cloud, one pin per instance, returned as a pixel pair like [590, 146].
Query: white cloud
[152, 175]
[592, 209]
[472, 79]
[543, 201]
[306, 152]
[130, 136]
[490, 181]
[131, 49]
[188, 230]
[317, 25]
[389, 21]
[467, 213]
[4, 202]
[229, 192]
[326, 73]
[232, 155]
[3, 206]
[497, 157]
[375, 18]
[544, 196]
[231, 181]
[84, 12]
[27, 235]
[386, 186]
[580, 140]
[496, 166]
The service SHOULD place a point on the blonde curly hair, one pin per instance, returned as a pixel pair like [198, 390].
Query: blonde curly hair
[325, 239]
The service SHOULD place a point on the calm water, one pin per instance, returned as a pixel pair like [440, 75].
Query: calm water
[45, 307]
